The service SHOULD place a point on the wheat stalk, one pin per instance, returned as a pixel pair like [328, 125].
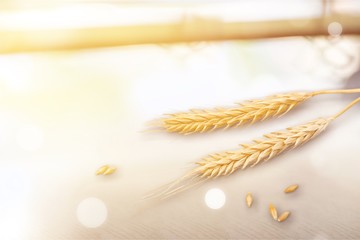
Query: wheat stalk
[199, 121]
[250, 155]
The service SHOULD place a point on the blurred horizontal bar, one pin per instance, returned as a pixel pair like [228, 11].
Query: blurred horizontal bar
[187, 31]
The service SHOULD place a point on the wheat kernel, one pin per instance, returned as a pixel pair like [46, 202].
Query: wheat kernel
[291, 188]
[249, 200]
[283, 216]
[101, 170]
[273, 211]
[110, 170]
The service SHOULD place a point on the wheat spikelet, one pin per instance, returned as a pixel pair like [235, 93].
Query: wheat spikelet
[225, 163]
[198, 121]
[260, 150]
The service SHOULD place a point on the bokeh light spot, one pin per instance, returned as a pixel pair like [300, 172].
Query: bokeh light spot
[215, 198]
[335, 29]
[91, 212]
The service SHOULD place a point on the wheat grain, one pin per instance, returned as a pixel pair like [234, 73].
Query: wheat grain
[105, 170]
[283, 216]
[291, 188]
[249, 199]
[199, 121]
[273, 211]
[110, 170]
[101, 170]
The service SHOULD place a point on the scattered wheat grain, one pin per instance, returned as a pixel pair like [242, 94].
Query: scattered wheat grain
[283, 216]
[273, 211]
[102, 169]
[291, 188]
[249, 199]
[110, 170]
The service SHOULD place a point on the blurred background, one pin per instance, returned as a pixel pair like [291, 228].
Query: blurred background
[79, 80]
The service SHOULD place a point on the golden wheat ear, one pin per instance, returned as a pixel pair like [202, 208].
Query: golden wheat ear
[250, 155]
[199, 121]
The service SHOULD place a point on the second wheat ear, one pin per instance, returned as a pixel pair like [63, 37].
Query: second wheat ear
[199, 121]
[250, 155]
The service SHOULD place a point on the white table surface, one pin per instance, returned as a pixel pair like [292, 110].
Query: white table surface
[63, 115]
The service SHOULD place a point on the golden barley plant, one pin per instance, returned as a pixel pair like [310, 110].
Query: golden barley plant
[250, 155]
[199, 121]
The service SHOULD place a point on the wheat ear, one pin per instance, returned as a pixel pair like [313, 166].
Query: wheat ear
[250, 155]
[199, 121]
